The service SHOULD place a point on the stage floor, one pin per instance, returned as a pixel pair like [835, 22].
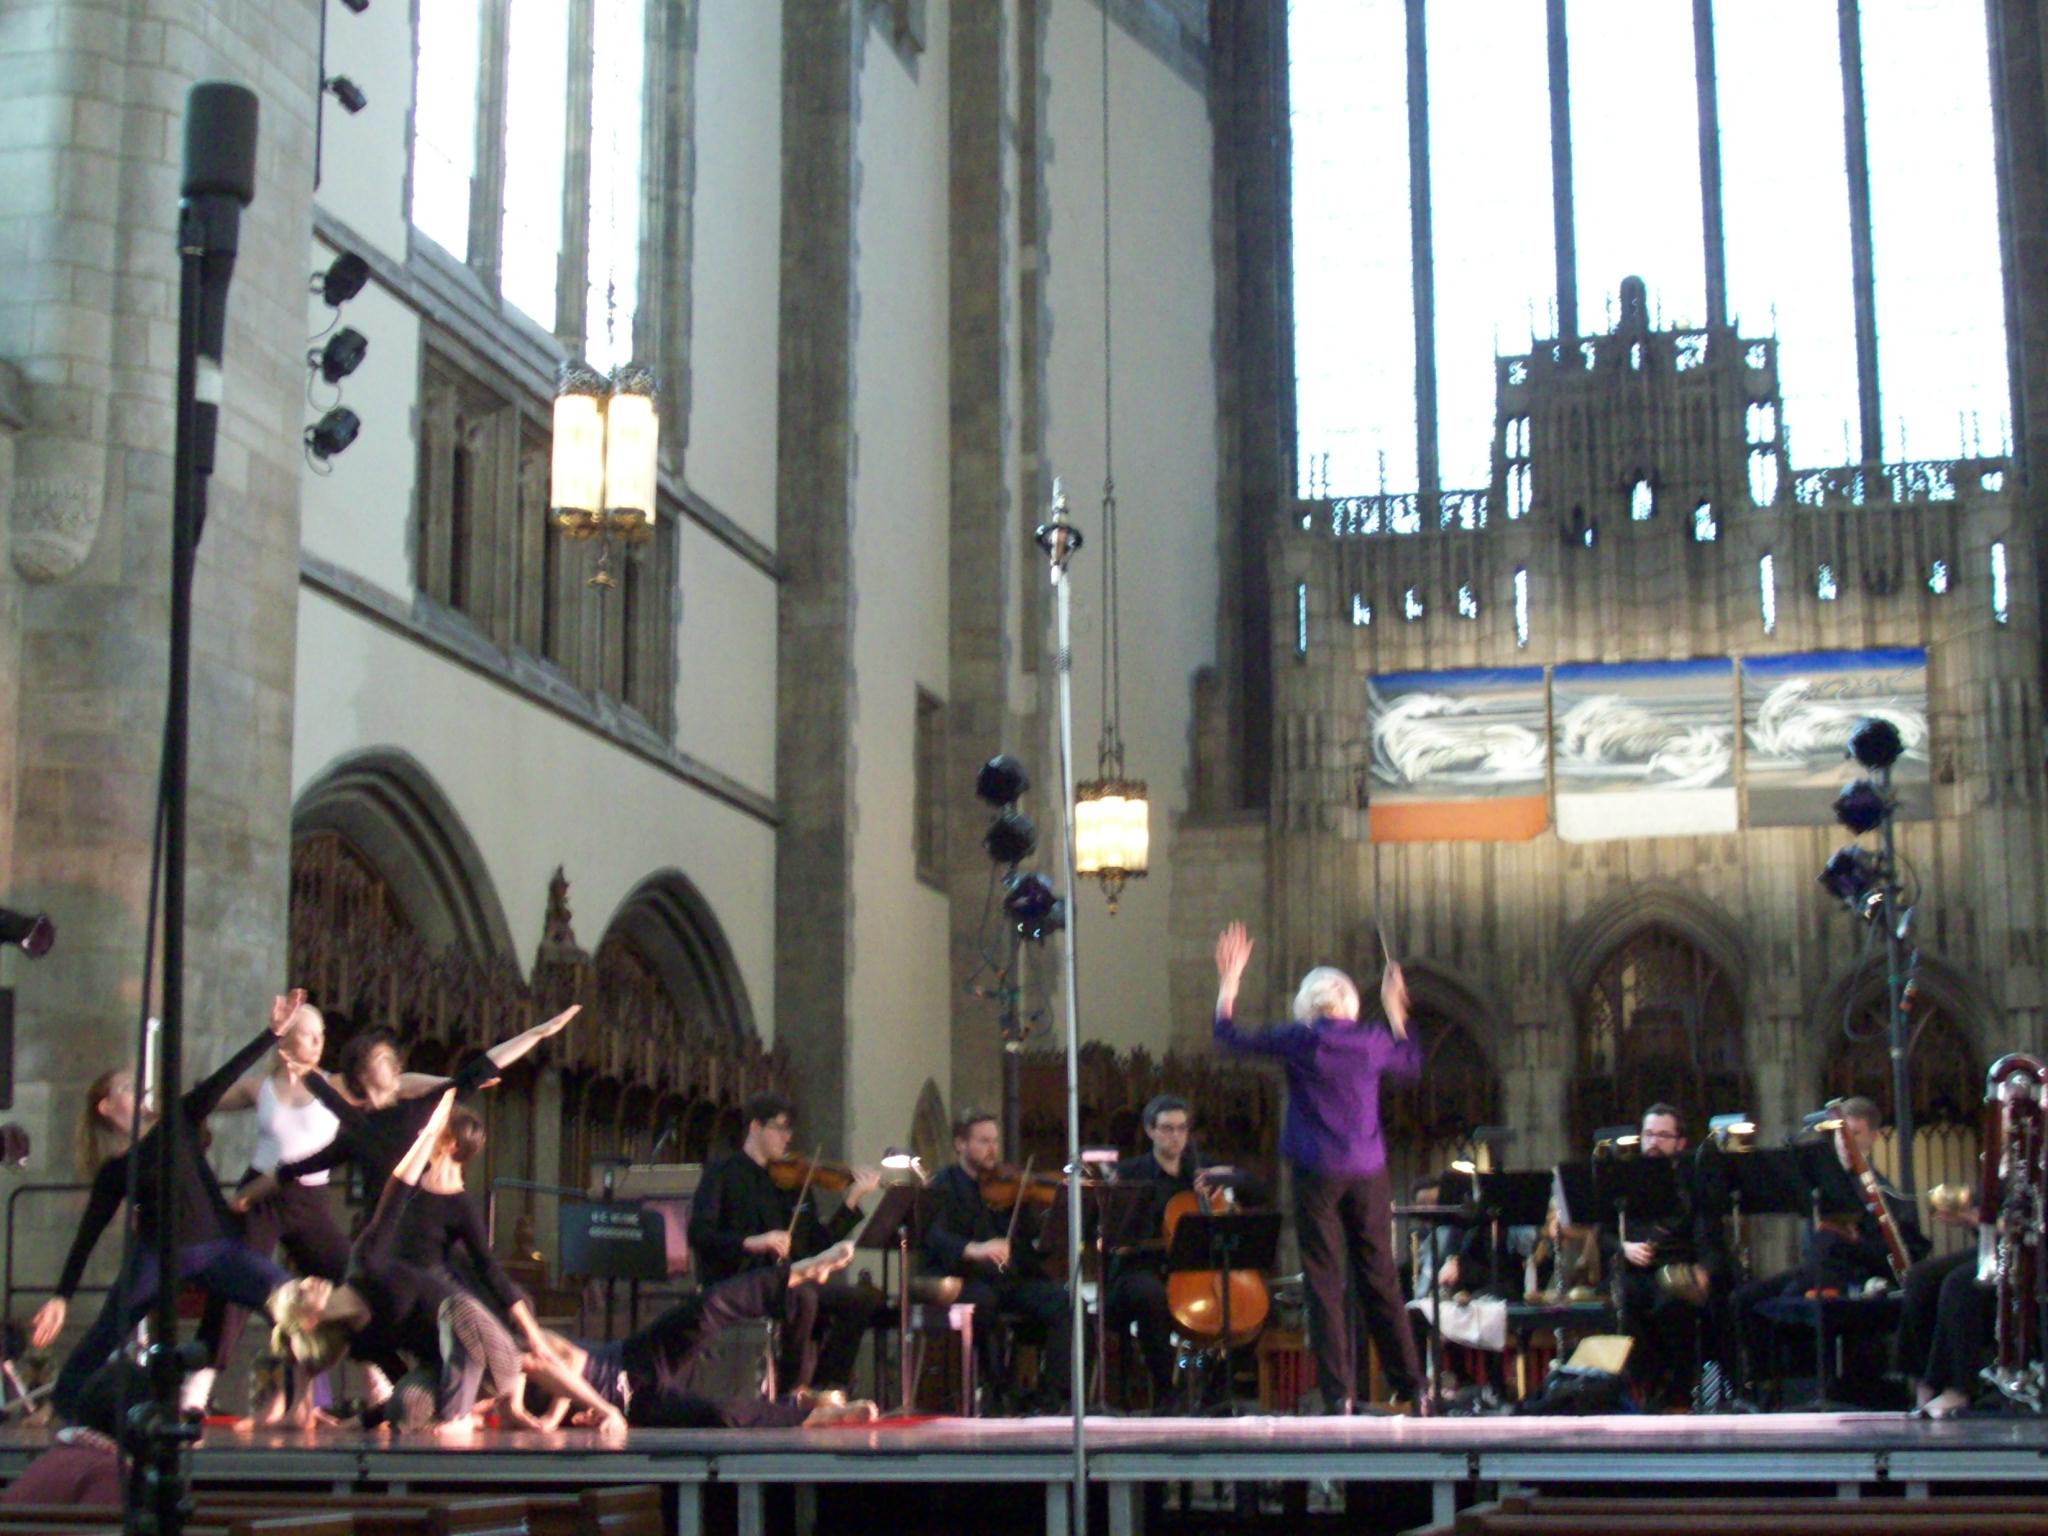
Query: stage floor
[1852, 1452]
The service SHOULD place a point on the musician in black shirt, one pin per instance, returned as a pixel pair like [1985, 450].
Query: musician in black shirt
[966, 1238]
[740, 1219]
[1137, 1276]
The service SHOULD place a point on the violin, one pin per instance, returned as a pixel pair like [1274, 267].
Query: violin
[1003, 1188]
[793, 1172]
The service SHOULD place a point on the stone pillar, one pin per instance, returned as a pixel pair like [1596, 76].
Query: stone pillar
[814, 541]
[88, 213]
[978, 719]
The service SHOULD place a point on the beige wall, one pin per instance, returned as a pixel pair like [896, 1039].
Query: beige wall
[1164, 457]
[898, 1010]
[532, 789]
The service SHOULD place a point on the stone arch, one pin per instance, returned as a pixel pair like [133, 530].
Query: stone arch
[1652, 903]
[1946, 1048]
[670, 925]
[1443, 989]
[385, 804]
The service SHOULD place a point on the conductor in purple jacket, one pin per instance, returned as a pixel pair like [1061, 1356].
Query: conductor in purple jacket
[1343, 1201]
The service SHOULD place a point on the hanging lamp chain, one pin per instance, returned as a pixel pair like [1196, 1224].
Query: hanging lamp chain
[1109, 751]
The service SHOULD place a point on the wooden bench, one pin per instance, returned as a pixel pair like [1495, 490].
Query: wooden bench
[1742, 1517]
[627, 1511]
[387, 1514]
[70, 1520]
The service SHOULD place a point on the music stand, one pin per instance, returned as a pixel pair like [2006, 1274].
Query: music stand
[1829, 1191]
[1123, 1214]
[1439, 1216]
[896, 1213]
[1241, 1240]
[1512, 1200]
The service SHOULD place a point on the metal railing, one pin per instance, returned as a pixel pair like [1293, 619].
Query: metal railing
[9, 1289]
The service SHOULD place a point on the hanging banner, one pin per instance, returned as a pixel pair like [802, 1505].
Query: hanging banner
[1644, 749]
[1457, 756]
[1798, 713]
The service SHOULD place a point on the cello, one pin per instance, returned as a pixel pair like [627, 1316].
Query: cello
[1196, 1297]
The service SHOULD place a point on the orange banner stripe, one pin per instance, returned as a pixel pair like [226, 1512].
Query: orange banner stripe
[1460, 821]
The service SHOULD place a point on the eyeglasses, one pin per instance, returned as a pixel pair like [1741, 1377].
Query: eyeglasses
[783, 1126]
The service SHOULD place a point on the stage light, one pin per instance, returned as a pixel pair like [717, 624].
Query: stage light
[342, 355]
[1010, 838]
[358, 6]
[1031, 905]
[1875, 743]
[32, 932]
[1731, 1132]
[343, 279]
[1002, 780]
[1861, 807]
[332, 433]
[1851, 878]
[900, 1157]
[347, 92]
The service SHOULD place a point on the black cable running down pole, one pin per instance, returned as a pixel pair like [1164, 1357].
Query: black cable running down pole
[219, 182]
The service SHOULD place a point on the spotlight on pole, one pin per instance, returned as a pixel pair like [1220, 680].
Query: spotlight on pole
[1861, 807]
[343, 279]
[31, 932]
[1002, 780]
[1851, 877]
[332, 433]
[341, 356]
[1031, 905]
[1875, 743]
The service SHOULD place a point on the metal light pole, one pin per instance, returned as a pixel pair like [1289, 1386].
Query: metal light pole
[1059, 538]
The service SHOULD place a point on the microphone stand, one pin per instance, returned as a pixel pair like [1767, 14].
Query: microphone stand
[1059, 538]
[219, 181]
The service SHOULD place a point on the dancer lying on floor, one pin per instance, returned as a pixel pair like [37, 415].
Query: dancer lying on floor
[647, 1376]
[116, 1133]
[389, 1312]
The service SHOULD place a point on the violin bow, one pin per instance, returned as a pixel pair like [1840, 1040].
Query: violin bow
[1016, 1210]
[797, 1212]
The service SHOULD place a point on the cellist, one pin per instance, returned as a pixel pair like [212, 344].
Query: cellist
[997, 1266]
[1137, 1276]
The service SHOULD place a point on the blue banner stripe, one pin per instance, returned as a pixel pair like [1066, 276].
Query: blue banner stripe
[1451, 682]
[1834, 661]
[1594, 672]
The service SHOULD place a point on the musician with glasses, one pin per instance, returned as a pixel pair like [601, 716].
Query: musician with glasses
[1665, 1278]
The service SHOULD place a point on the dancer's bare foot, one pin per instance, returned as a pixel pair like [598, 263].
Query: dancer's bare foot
[1944, 1405]
[814, 1269]
[859, 1411]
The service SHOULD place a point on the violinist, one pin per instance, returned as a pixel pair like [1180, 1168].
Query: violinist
[744, 1218]
[1844, 1255]
[969, 1237]
[1137, 1276]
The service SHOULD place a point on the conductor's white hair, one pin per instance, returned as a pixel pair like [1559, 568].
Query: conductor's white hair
[1326, 993]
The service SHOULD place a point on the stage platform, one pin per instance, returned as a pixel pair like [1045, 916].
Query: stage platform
[1854, 1454]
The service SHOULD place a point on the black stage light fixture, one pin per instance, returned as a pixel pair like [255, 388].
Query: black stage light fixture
[358, 6]
[1850, 877]
[332, 433]
[1010, 838]
[342, 355]
[347, 92]
[32, 932]
[1002, 780]
[343, 279]
[1875, 743]
[1029, 903]
[1861, 807]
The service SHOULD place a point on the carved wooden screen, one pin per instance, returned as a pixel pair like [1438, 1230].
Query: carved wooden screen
[1660, 1022]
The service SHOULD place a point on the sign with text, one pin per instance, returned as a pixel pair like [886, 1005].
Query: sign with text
[612, 1240]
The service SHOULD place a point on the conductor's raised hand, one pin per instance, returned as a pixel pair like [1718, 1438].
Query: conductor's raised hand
[1233, 953]
[1394, 999]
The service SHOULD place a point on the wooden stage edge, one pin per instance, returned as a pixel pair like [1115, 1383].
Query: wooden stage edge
[1852, 1452]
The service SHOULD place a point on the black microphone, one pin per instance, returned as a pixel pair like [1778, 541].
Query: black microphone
[219, 182]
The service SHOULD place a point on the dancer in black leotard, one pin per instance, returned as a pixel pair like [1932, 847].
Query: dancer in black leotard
[211, 1254]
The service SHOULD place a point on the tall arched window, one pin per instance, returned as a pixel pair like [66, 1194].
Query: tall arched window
[1427, 1125]
[1660, 1021]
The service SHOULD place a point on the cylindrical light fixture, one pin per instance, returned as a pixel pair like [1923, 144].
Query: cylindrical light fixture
[1112, 832]
[632, 445]
[577, 469]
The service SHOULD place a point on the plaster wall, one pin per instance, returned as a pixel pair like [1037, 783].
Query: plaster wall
[897, 1010]
[1165, 425]
[738, 233]
[532, 790]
